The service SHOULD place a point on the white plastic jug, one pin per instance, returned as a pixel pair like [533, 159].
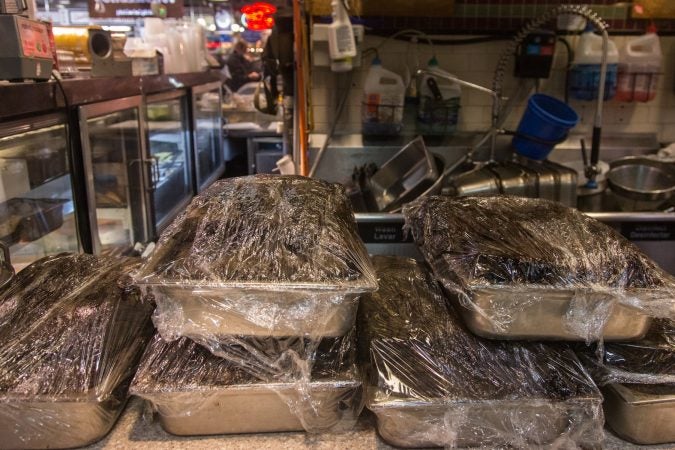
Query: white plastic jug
[383, 100]
[439, 100]
[639, 67]
[585, 72]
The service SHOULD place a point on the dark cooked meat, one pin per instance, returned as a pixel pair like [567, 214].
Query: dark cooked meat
[650, 360]
[69, 324]
[185, 366]
[263, 228]
[420, 350]
[510, 240]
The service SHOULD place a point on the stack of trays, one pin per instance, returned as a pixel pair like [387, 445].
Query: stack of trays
[71, 337]
[259, 270]
[522, 268]
[531, 269]
[433, 383]
[637, 380]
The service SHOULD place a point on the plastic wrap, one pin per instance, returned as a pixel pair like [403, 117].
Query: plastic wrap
[195, 392]
[433, 383]
[72, 330]
[648, 361]
[260, 257]
[511, 262]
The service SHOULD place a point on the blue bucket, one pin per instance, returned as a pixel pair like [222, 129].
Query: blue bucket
[547, 121]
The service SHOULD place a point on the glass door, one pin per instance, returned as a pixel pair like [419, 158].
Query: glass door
[207, 132]
[112, 135]
[169, 146]
[37, 212]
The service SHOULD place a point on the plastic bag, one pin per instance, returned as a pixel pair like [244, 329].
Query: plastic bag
[433, 383]
[648, 361]
[505, 257]
[72, 330]
[195, 392]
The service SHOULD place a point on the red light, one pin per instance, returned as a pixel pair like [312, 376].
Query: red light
[259, 16]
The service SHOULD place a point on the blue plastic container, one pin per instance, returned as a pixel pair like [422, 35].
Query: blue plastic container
[547, 120]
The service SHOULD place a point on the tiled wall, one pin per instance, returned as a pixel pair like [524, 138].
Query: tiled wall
[476, 63]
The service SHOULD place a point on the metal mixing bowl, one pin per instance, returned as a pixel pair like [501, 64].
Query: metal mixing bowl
[642, 179]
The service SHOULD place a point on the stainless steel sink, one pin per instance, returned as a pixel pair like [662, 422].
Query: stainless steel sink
[653, 232]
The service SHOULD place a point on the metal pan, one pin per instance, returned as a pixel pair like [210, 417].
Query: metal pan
[406, 175]
[488, 423]
[255, 312]
[642, 414]
[256, 408]
[56, 424]
[540, 314]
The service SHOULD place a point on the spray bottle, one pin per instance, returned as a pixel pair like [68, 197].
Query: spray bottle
[341, 43]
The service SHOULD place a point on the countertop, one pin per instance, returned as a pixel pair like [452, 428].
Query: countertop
[136, 430]
[20, 99]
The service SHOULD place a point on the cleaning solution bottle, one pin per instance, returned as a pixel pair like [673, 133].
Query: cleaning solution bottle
[584, 76]
[383, 101]
[341, 42]
[639, 66]
[439, 102]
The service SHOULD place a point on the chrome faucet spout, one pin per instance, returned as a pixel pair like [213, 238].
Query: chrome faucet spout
[500, 72]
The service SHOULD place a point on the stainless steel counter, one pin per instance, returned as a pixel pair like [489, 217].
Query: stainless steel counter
[137, 431]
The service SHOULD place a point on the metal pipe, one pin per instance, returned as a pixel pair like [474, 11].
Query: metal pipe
[300, 93]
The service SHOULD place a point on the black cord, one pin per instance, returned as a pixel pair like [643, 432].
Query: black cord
[59, 79]
[570, 58]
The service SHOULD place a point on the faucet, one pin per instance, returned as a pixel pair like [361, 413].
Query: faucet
[497, 100]
[591, 169]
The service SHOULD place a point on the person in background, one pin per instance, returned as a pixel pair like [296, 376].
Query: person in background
[241, 69]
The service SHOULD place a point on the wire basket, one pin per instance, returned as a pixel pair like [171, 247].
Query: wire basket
[437, 117]
[381, 119]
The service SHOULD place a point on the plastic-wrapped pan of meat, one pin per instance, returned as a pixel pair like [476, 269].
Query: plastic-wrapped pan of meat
[72, 331]
[260, 256]
[434, 383]
[637, 380]
[197, 393]
[524, 268]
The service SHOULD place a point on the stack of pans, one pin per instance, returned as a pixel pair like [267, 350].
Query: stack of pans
[637, 380]
[433, 383]
[257, 286]
[513, 269]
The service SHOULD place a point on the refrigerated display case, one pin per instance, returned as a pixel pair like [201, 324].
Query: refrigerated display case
[168, 133]
[117, 176]
[37, 211]
[207, 135]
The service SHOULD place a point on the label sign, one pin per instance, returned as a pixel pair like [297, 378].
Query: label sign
[34, 38]
[652, 231]
[135, 8]
[383, 233]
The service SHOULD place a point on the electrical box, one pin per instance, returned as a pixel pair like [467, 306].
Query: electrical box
[25, 51]
[534, 57]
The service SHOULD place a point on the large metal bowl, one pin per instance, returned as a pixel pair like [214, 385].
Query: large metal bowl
[642, 179]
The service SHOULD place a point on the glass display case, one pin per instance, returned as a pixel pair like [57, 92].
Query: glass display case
[207, 134]
[168, 133]
[37, 212]
[116, 174]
